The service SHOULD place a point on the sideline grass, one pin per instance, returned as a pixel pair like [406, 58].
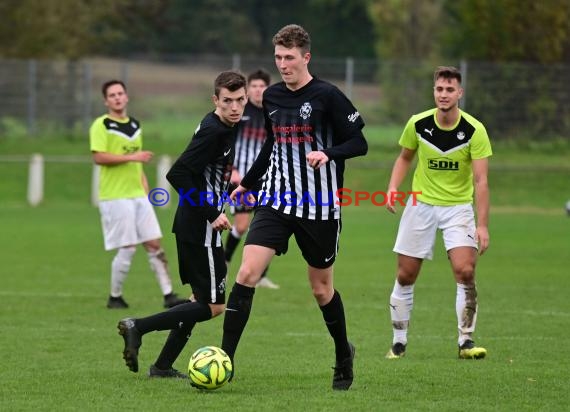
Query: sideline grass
[61, 349]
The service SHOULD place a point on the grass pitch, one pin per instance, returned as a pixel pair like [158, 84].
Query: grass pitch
[61, 349]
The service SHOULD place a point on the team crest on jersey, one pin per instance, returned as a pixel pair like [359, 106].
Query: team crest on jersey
[222, 287]
[306, 110]
[461, 135]
[133, 125]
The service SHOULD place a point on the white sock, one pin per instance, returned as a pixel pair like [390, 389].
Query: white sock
[120, 269]
[235, 233]
[401, 304]
[466, 308]
[158, 264]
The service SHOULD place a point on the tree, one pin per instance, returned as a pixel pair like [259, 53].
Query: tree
[55, 28]
[506, 30]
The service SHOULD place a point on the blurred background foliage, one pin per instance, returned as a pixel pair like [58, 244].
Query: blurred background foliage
[491, 30]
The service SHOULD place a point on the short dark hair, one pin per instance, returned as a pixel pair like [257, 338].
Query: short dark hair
[291, 36]
[447, 72]
[231, 80]
[110, 83]
[259, 74]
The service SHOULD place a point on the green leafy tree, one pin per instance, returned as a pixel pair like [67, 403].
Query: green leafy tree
[55, 28]
[507, 30]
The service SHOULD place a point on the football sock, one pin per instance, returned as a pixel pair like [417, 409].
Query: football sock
[236, 317]
[159, 266]
[333, 314]
[177, 317]
[232, 242]
[173, 346]
[401, 304]
[466, 308]
[120, 269]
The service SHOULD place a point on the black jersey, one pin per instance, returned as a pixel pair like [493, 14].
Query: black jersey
[250, 137]
[316, 117]
[201, 176]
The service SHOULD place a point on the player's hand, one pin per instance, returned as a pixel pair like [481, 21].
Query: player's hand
[242, 196]
[143, 156]
[317, 159]
[222, 222]
[482, 238]
[390, 201]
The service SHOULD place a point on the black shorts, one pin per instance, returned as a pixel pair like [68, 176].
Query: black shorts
[204, 269]
[318, 240]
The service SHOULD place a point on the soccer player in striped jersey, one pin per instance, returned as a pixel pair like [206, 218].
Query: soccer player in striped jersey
[453, 150]
[250, 137]
[127, 217]
[312, 128]
[201, 176]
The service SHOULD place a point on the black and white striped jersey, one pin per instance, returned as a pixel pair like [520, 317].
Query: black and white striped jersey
[250, 137]
[316, 117]
[201, 177]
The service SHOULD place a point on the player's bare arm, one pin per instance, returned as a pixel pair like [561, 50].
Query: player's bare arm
[317, 159]
[399, 172]
[105, 158]
[480, 170]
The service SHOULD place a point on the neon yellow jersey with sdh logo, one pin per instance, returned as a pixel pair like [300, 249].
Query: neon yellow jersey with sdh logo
[121, 181]
[443, 174]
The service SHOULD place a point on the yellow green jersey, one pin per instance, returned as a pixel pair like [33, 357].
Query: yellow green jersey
[110, 135]
[443, 174]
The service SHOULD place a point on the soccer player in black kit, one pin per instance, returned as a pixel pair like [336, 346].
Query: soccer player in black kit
[250, 138]
[201, 176]
[312, 128]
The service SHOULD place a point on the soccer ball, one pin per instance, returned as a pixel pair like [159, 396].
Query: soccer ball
[209, 368]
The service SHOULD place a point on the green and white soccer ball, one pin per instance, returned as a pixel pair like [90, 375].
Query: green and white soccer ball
[209, 368]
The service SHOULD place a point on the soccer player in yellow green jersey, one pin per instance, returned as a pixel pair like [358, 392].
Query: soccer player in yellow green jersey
[452, 148]
[127, 216]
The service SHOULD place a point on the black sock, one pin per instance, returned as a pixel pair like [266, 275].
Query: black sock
[231, 244]
[236, 316]
[333, 314]
[175, 318]
[179, 335]
[173, 346]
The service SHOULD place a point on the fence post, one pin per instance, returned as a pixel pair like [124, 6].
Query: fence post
[463, 69]
[349, 77]
[36, 180]
[87, 78]
[125, 73]
[95, 185]
[162, 168]
[236, 61]
[32, 95]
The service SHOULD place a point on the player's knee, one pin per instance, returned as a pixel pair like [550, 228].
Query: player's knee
[124, 257]
[465, 274]
[322, 293]
[406, 278]
[217, 310]
[247, 275]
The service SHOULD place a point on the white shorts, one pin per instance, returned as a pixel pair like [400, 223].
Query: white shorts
[419, 223]
[128, 222]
